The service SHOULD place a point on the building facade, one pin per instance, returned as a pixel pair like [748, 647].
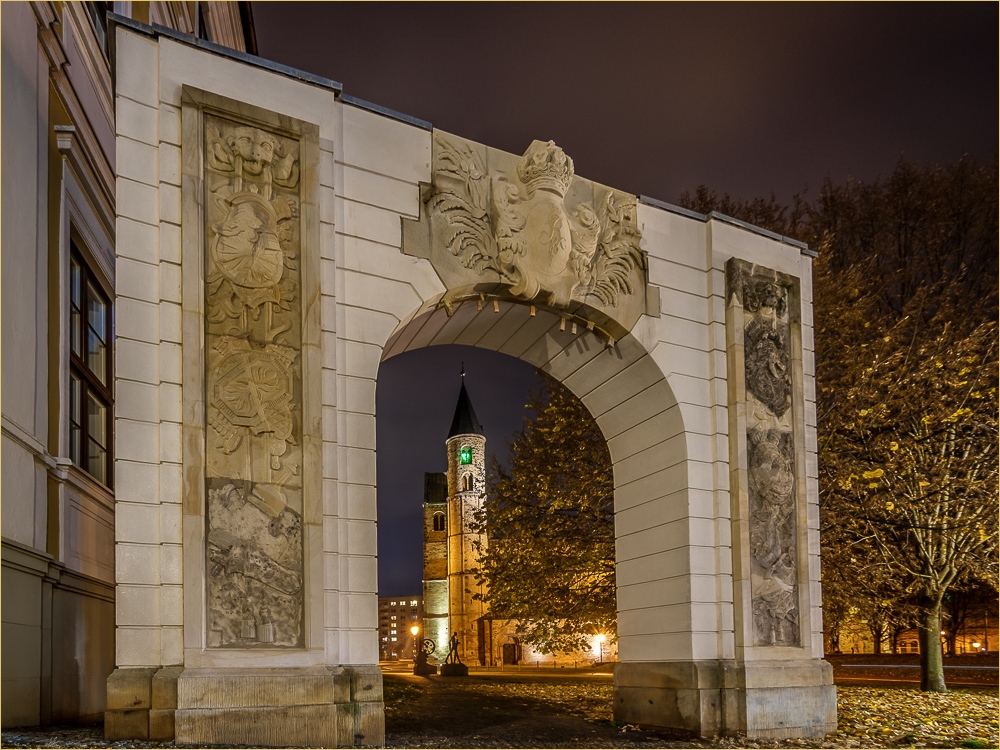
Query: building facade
[397, 617]
[67, 301]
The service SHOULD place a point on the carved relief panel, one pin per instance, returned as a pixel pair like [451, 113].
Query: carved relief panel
[759, 298]
[253, 387]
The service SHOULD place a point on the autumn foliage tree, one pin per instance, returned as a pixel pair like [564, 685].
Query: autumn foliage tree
[549, 563]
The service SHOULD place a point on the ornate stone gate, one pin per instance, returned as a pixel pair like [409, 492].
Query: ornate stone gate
[290, 240]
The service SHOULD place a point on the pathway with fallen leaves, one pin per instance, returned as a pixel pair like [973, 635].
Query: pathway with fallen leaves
[489, 710]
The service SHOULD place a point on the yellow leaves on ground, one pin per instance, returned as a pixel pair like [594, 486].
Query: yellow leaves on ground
[873, 474]
[894, 446]
[886, 717]
[867, 717]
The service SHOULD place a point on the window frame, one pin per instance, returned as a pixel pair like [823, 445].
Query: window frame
[90, 383]
[434, 521]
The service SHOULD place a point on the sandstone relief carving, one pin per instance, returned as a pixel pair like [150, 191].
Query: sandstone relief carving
[253, 388]
[523, 227]
[771, 480]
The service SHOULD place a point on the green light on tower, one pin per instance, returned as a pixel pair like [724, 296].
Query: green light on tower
[465, 456]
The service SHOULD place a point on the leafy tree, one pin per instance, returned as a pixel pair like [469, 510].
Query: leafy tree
[549, 563]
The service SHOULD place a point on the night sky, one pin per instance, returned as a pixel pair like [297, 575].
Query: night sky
[653, 99]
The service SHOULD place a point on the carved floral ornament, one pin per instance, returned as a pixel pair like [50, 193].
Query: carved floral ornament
[522, 228]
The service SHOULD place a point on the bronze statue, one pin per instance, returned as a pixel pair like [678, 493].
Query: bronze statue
[453, 657]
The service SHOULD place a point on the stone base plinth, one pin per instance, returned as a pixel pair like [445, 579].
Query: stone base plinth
[308, 706]
[454, 670]
[772, 699]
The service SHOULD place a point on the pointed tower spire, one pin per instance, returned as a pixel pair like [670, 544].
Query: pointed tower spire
[464, 421]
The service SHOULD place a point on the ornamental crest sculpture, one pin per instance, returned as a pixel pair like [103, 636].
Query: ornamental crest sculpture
[523, 226]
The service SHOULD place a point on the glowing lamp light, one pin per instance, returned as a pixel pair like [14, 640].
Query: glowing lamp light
[414, 630]
[601, 638]
[975, 645]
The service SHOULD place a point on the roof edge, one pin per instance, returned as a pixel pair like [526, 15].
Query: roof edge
[156, 30]
[715, 215]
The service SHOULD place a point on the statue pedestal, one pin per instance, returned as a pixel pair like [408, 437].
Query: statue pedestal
[454, 670]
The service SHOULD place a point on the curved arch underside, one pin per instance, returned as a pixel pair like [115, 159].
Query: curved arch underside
[632, 402]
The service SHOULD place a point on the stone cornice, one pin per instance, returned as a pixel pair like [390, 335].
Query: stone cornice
[89, 149]
[70, 146]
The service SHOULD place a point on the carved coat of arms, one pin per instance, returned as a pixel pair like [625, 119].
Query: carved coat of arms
[521, 227]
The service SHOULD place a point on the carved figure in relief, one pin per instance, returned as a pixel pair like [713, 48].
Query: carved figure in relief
[266, 626]
[251, 277]
[771, 489]
[527, 234]
[766, 347]
[253, 154]
[248, 625]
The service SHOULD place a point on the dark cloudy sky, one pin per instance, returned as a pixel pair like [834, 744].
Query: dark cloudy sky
[650, 98]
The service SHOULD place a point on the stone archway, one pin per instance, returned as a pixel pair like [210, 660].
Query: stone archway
[633, 405]
[290, 240]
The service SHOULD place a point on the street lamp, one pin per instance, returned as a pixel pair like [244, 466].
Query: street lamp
[600, 640]
[413, 631]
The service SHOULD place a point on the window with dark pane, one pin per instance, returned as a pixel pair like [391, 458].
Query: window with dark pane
[90, 397]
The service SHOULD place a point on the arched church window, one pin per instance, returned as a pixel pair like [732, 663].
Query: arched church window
[467, 483]
[465, 455]
[439, 522]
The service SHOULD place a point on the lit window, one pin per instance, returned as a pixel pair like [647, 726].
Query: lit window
[393, 617]
[90, 374]
[465, 455]
[392, 603]
[393, 640]
[413, 602]
[393, 632]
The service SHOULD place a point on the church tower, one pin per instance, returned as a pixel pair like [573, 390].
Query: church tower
[452, 501]
[466, 447]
